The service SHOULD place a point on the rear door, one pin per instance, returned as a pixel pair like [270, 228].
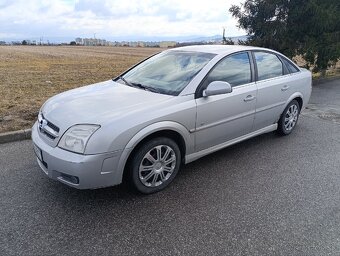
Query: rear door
[273, 89]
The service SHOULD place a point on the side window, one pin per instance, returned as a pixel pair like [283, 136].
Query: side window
[234, 69]
[268, 65]
[290, 66]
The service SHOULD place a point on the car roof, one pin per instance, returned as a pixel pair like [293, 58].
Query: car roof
[218, 49]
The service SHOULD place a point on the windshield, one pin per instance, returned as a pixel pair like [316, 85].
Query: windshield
[167, 72]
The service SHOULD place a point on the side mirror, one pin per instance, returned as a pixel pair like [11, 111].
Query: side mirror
[216, 88]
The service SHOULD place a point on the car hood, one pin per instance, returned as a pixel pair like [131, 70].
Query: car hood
[98, 103]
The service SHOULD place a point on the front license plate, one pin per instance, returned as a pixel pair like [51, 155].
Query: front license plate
[37, 152]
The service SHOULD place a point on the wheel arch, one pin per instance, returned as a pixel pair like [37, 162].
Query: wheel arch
[168, 129]
[300, 101]
[171, 134]
[296, 96]
[281, 130]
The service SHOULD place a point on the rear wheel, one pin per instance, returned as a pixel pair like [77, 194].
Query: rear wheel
[154, 165]
[289, 118]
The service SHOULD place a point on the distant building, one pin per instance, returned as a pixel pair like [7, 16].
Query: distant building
[141, 44]
[103, 42]
[88, 42]
[124, 43]
[167, 44]
[133, 44]
[151, 44]
[79, 41]
[92, 42]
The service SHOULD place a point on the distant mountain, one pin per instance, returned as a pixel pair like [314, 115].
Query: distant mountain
[43, 39]
[215, 38]
[180, 39]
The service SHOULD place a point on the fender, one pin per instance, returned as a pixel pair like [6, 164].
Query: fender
[146, 131]
[293, 96]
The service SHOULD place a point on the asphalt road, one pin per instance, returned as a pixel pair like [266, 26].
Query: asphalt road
[266, 196]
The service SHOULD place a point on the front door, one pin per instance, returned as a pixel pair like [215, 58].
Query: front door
[221, 118]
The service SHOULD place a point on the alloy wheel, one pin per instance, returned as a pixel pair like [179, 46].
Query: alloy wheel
[291, 117]
[157, 166]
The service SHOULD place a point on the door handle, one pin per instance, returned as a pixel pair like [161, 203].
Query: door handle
[285, 88]
[249, 98]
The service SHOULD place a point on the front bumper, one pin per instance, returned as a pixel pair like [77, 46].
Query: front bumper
[76, 170]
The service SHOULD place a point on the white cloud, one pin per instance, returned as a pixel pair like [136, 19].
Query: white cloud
[116, 18]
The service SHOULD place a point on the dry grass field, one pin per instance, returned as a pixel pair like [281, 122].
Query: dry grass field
[31, 74]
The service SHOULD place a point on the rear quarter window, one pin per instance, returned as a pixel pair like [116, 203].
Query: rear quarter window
[290, 66]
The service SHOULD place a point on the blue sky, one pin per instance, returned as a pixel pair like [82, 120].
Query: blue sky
[115, 18]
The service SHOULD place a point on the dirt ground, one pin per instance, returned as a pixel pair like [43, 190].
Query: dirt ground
[31, 74]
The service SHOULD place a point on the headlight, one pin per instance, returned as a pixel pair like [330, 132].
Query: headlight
[75, 138]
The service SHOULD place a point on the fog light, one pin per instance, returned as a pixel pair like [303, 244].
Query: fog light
[70, 178]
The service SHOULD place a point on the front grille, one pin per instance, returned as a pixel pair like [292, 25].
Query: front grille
[47, 128]
[47, 134]
[53, 126]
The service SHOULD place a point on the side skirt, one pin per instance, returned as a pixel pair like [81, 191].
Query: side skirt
[204, 152]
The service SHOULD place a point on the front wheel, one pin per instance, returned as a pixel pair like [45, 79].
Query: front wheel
[154, 165]
[289, 118]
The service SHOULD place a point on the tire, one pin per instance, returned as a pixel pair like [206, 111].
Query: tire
[289, 118]
[154, 165]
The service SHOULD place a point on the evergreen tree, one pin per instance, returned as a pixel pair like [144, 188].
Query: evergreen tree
[310, 28]
[228, 41]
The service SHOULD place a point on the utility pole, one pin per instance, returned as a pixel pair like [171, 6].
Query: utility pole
[224, 40]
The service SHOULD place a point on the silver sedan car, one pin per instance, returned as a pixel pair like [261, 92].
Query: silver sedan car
[168, 110]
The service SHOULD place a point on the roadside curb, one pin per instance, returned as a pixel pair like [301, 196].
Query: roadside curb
[325, 80]
[15, 136]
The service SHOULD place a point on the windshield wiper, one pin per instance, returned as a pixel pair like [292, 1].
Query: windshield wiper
[144, 87]
[125, 81]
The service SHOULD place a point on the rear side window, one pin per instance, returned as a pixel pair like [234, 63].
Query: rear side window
[268, 65]
[290, 66]
[234, 69]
